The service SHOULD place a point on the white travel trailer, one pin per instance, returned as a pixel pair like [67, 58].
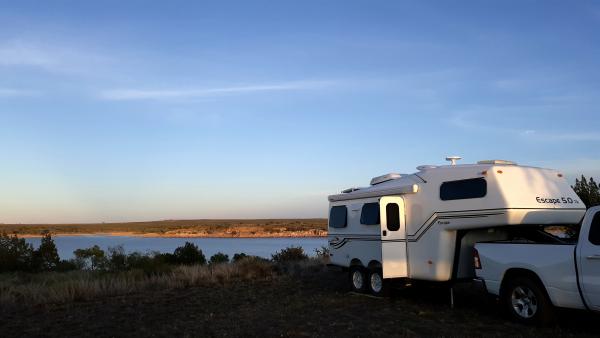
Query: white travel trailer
[423, 226]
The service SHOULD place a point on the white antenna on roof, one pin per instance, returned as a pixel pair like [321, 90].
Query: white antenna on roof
[453, 159]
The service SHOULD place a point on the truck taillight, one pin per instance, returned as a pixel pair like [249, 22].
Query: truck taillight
[476, 260]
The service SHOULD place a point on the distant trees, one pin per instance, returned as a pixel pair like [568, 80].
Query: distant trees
[18, 255]
[588, 191]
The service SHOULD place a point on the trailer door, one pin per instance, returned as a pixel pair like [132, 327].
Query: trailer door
[393, 237]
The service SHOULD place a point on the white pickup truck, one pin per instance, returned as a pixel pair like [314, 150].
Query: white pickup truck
[534, 271]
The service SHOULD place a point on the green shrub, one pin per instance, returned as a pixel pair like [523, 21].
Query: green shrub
[238, 257]
[117, 259]
[15, 254]
[66, 265]
[148, 263]
[92, 258]
[45, 258]
[218, 258]
[291, 254]
[323, 252]
[189, 254]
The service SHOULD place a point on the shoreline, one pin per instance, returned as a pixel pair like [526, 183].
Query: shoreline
[179, 235]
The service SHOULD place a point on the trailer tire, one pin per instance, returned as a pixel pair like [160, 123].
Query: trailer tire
[358, 278]
[526, 301]
[376, 284]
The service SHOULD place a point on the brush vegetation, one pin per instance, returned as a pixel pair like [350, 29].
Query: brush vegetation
[38, 276]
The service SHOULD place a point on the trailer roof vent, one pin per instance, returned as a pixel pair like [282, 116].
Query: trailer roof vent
[349, 190]
[385, 178]
[497, 162]
[425, 167]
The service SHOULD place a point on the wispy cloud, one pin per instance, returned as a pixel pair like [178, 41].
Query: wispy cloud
[10, 92]
[53, 57]
[564, 136]
[186, 93]
[469, 122]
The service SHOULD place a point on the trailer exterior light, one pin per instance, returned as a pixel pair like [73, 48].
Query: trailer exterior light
[484, 172]
[499, 171]
[560, 175]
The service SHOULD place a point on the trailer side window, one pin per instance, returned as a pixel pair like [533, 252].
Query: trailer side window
[338, 217]
[369, 214]
[594, 236]
[392, 212]
[463, 189]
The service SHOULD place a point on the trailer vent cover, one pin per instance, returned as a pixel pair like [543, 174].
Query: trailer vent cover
[385, 178]
[497, 162]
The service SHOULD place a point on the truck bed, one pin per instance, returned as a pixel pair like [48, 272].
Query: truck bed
[554, 264]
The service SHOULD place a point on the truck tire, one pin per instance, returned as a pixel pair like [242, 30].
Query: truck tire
[358, 279]
[526, 301]
[376, 284]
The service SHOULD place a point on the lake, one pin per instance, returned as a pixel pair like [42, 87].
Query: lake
[263, 247]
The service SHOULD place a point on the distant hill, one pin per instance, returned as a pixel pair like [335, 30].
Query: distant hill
[182, 228]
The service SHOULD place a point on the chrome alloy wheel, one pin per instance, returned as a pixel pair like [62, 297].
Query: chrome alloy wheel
[524, 302]
[376, 282]
[358, 280]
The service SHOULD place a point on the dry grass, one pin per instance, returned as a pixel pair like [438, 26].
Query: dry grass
[48, 288]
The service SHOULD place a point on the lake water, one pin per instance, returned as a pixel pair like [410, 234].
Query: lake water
[263, 247]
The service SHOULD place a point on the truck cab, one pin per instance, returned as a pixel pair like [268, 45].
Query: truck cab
[535, 271]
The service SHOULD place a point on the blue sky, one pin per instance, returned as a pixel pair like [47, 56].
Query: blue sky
[138, 110]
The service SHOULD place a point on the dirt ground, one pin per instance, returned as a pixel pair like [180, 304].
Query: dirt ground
[307, 304]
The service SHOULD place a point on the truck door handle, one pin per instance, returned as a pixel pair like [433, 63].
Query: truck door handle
[593, 257]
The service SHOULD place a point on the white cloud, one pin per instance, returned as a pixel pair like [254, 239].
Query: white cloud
[183, 93]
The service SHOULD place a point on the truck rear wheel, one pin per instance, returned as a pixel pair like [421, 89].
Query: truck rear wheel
[358, 280]
[526, 301]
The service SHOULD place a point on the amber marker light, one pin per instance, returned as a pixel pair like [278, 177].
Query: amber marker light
[499, 171]
[560, 175]
[484, 172]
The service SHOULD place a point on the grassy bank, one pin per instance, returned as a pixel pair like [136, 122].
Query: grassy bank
[182, 228]
[296, 300]
[57, 287]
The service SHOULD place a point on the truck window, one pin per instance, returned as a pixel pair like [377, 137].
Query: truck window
[392, 212]
[338, 217]
[369, 214]
[463, 189]
[594, 236]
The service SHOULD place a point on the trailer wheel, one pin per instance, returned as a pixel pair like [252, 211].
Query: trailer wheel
[358, 279]
[526, 301]
[376, 284]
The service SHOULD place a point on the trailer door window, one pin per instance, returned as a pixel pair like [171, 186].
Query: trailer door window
[463, 189]
[338, 216]
[369, 214]
[392, 212]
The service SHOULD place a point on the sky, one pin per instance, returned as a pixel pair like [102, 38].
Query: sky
[145, 110]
